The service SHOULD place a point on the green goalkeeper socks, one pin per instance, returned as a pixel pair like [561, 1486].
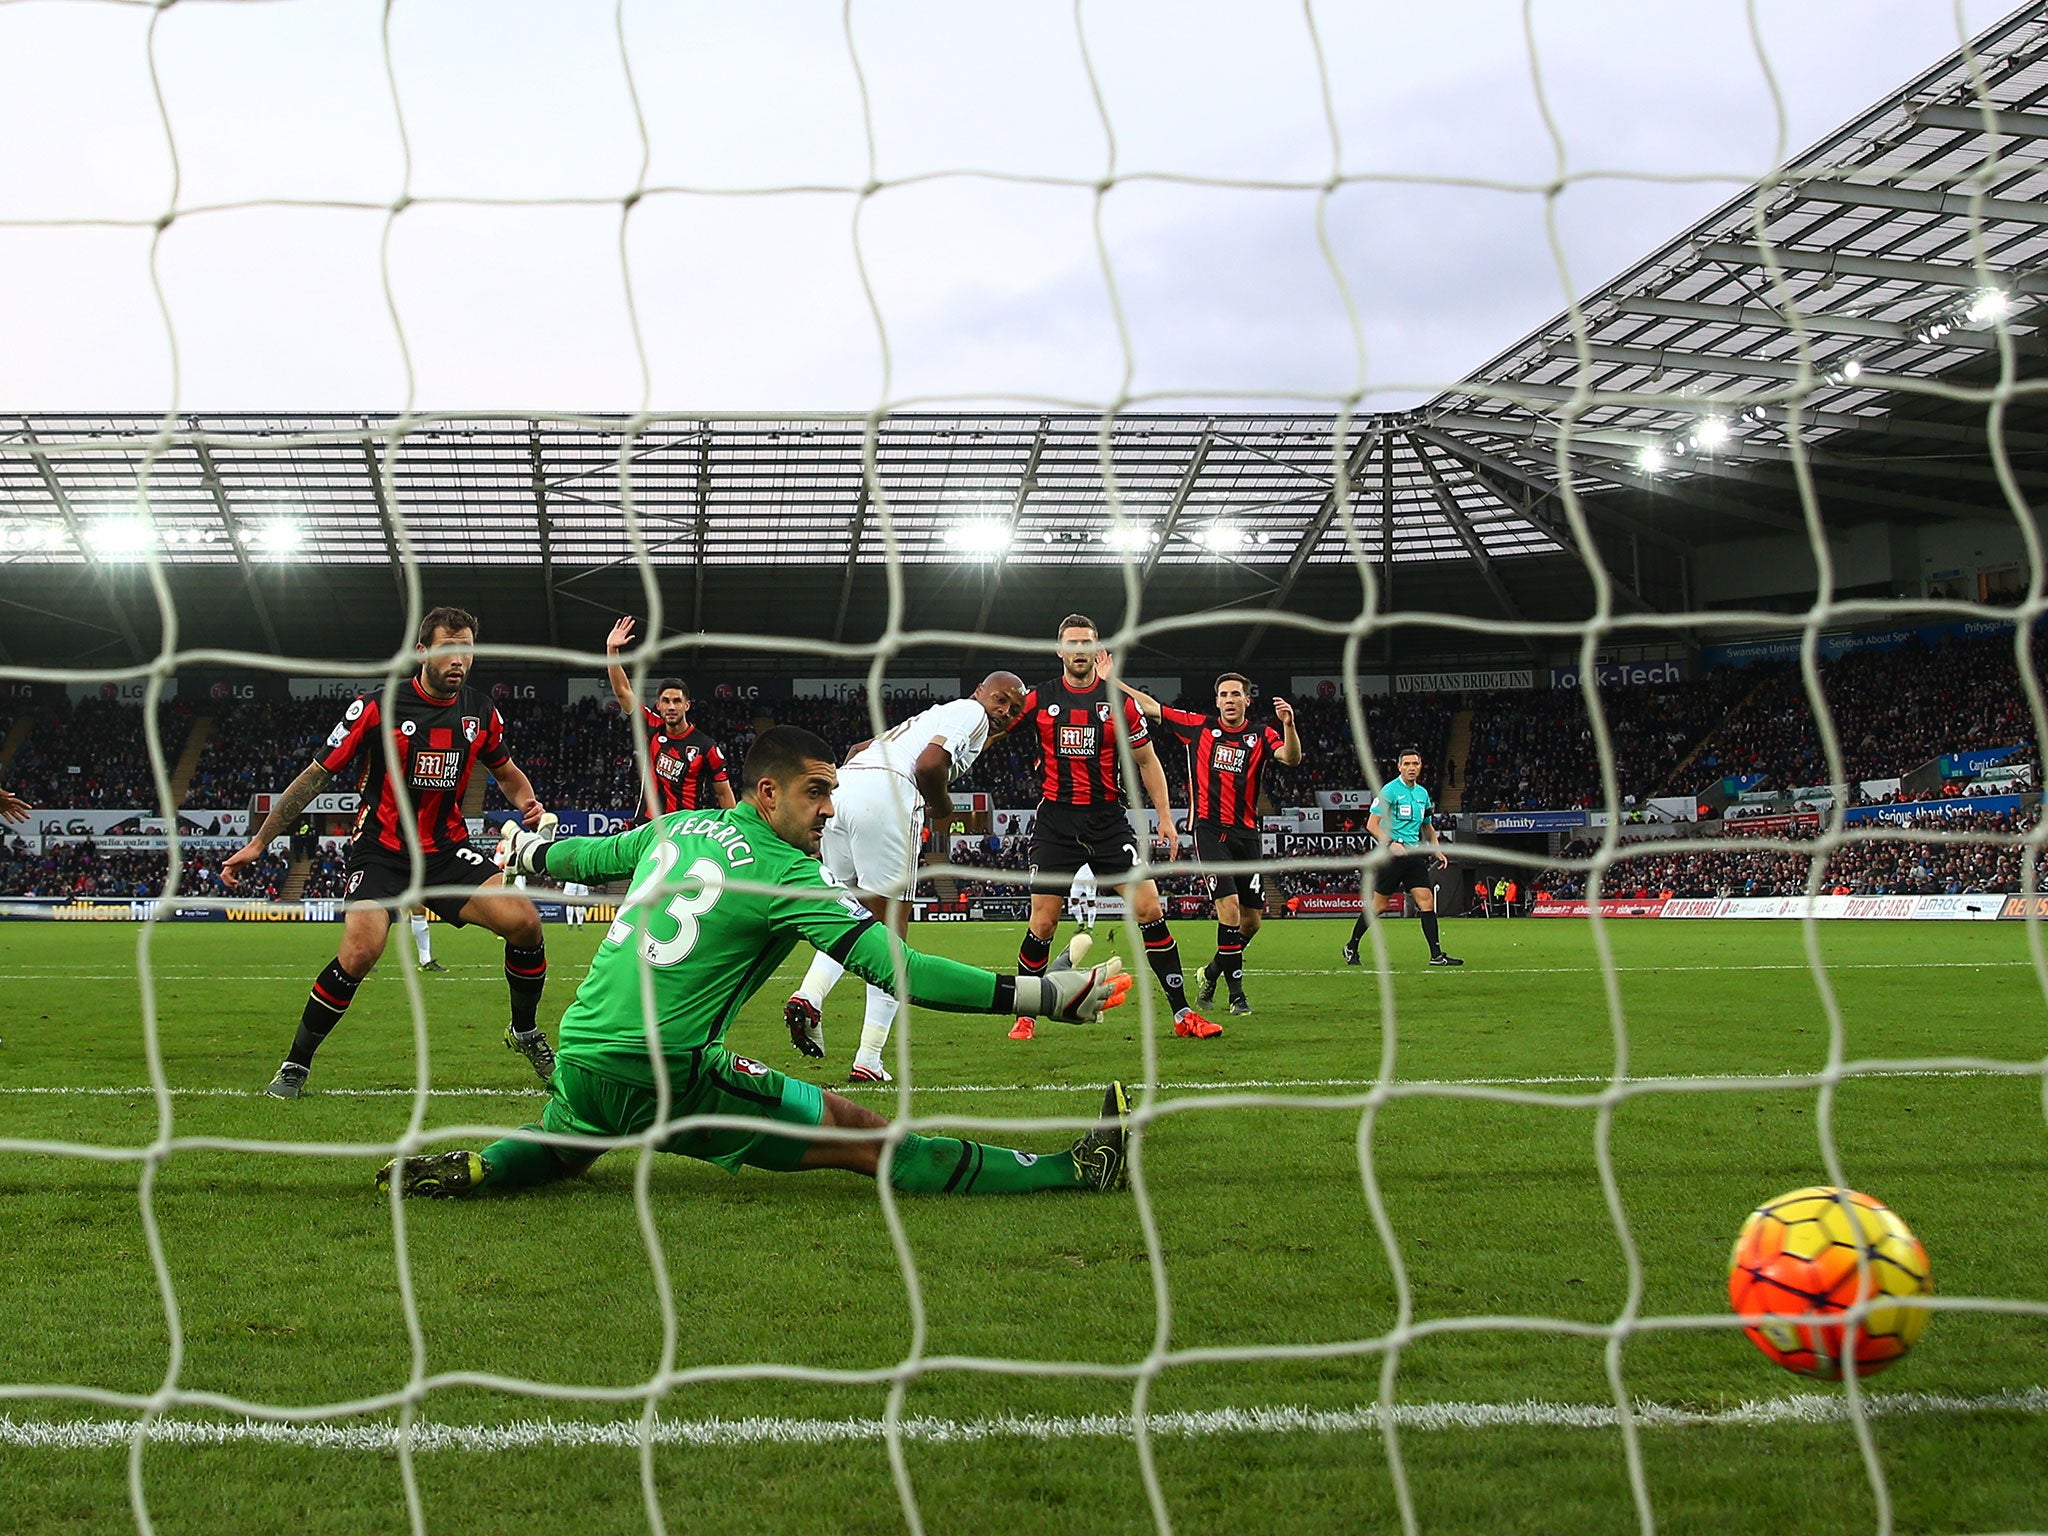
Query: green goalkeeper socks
[932, 1165]
[515, 1164]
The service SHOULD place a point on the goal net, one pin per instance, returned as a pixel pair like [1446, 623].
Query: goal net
[847, 350]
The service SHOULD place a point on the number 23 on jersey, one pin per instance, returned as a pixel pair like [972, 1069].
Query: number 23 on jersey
[683, 909]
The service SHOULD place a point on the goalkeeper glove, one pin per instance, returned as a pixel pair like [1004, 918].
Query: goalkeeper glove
[521, 852]
[1079, 997]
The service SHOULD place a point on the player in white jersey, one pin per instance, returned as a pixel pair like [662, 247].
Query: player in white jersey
[891, 790]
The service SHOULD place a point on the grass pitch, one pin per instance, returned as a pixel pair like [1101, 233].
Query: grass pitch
[284, 1265]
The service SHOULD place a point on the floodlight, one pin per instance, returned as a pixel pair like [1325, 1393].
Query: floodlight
[1651, 461]
[280, 537]
[118, 538]
[1222, 538]
[1128, 537]
[1713, 432]
[1991, 304]
[1852, 370]
[985, 537]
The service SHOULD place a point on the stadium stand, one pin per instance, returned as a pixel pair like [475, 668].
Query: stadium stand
[1887, 867]
[93, 753]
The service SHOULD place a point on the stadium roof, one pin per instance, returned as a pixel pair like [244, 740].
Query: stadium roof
[1874, 288]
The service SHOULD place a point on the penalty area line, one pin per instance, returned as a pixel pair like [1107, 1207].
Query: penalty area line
[524, 1434]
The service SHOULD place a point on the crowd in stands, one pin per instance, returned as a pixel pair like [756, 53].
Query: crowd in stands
[1884, 866]
[1537, 752]
[258, 747]
[93, 753]
[86, 869]
[1892, 710]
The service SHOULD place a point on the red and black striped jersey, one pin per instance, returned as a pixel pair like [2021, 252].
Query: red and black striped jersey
[1077, 742]
[438, 741]
[1224, 766]
[686, 766]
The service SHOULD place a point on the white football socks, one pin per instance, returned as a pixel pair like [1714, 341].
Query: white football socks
[820, 979]
[874, 1033]
[421, 939]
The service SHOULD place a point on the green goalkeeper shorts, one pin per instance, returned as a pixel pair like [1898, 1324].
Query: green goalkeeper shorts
[712, 1081]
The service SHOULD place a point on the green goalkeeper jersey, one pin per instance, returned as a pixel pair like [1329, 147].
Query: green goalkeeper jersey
[706, 947]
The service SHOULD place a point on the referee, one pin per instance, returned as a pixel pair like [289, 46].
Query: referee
[1400, 823]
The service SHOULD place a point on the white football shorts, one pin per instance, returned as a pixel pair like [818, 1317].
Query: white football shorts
[871, 843]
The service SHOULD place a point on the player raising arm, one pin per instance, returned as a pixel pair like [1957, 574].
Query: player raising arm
[1400, 823]
[685, 766]
[1227, 757]
[440, 731]
[694, 949]
[891, 791]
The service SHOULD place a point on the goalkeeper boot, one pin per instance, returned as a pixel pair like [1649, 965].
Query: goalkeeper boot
[290, 1081]
[434, 1173]
[1024, 1029]
[533, 1045]
[1440, 958]
[1191, 1025]
[1099, 1156]
[1205, 994]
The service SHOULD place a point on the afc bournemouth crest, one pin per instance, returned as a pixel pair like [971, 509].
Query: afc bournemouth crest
[1102, 713]
[470, 726]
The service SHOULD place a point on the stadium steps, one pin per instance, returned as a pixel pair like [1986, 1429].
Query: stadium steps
[946, 888]
[1679, 774]
[20, 732]
[188, 760]
[473, 797]
[1456, 750]
[295, 880]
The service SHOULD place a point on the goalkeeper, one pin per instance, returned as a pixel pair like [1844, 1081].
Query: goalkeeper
[702, 949]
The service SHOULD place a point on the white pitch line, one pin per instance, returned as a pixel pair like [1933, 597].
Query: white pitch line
[524, 1434]
[1237, 1085]
[296, 977]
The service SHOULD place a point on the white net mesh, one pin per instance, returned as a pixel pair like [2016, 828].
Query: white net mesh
[1582, 430]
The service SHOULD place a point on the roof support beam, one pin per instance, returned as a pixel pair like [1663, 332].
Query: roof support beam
[545, 527]
[1344, 490]
[1478, 459]
[1955, 205]
[1839, 325]
[992, 572]
[1176, 507]
[1887, 425]
[387, 515]
[210, 475]
[1783, 481]
[855, 526]
[1884, 268]
[1667, 359]
[1530, 504]
[2011, 125]
[1474, 546]
[1601, 467]
[69, 513]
